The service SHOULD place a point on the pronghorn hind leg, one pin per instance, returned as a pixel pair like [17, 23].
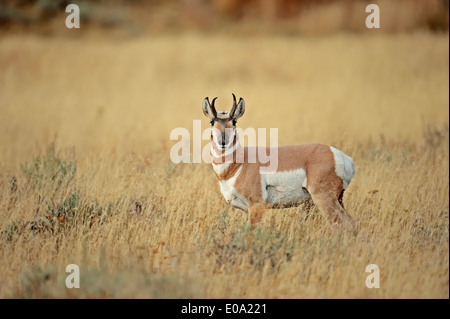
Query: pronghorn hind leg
[341, 203]
[341, 196]
[347, 219]
[332, 207]
[328, 206]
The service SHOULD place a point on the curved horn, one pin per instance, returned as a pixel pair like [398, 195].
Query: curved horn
[213, 107]
[233, 108]
[212, 103]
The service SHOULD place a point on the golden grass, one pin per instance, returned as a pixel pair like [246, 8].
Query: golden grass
[140, 226]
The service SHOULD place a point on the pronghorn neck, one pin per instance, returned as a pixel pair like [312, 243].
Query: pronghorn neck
[225, 161]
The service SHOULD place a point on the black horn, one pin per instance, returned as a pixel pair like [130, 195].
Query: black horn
[212, 103]
[233, 108]
[213, 108]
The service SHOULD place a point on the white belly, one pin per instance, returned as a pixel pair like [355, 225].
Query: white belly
[231, 195]
[284, 189]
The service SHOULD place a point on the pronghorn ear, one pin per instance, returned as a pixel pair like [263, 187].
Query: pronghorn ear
[240, 109]
[208, 110]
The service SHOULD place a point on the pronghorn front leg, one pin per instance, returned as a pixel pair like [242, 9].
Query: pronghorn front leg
[255, 213]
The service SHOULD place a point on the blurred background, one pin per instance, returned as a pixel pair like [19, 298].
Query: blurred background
[292, 16]
[134, 61]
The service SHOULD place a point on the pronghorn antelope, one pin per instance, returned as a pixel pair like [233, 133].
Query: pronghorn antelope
[315, 171]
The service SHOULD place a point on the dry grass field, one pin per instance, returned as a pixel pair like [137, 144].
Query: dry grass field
[86, 177]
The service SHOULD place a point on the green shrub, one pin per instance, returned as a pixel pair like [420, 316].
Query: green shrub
[49, 169]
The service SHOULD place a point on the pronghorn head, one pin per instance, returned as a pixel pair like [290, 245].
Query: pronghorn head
[223, 123]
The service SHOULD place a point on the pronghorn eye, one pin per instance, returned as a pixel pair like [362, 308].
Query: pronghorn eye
[234, 122]
[212, 122]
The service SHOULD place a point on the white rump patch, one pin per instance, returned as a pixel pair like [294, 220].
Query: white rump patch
[344, 167]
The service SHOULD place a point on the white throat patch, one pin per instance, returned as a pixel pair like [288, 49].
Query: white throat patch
[228, 151]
